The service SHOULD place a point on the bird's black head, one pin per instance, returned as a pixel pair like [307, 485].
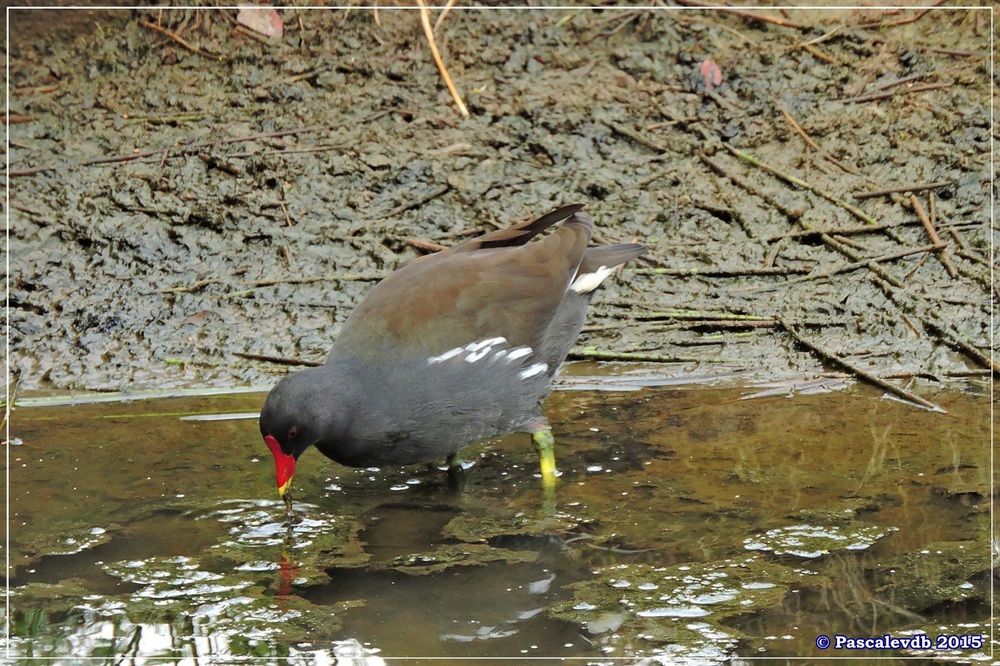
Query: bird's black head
[288, 425]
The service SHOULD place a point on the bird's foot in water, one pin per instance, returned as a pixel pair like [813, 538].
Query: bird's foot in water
[291, 517]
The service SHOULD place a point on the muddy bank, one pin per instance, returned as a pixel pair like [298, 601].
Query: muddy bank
[245, 195]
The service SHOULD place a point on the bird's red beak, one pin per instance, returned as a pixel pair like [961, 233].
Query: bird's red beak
[284, 465]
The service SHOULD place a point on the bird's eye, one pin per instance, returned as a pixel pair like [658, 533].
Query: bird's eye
[293, 432]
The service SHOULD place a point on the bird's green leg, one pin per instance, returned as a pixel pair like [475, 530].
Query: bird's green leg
[545, 445]
[291, 517]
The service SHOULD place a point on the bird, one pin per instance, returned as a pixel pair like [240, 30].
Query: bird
[451, 349]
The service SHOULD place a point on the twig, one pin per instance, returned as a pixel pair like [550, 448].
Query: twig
[972, 372]
[910, 324]
[774, 251]
[951, 52]
[206, 144]
[968, 253]
[933, 235]
[277, 359]
[25, 209]
[853, 266]
[629, 133]
[256, 36]
[981, 277]
[798, 128]
[334, 277]
[932, 322]
[417, 203]
[916, 17]
[163, 120]
[213, 162]
[722, 101]
[816, 53]
[812, 144]
[954, 341]
[284, 209]
[33, 90]
[680, 313]
[859, 372]
[594, 354]
[287, 151]
[451, 149]
[928, 226]
[847, 241]
[174, 36]
[763, 18]
[820, 39]
[722, 26]
[856, 212]
[792, 214]
[842, 231]
[426, 246]
[425, 20]
[871, 97]
[724, 272]
[872, 264]
[194, 286]
[621, 18]
[723, 325]
[905, 79]
[903, 188]
[444, 12]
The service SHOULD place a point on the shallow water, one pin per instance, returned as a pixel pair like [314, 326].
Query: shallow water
[689, 524]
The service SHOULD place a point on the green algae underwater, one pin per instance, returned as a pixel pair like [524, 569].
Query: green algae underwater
[689, 525]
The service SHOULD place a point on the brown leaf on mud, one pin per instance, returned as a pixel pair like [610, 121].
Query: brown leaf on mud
[263, 20]
[710, 74]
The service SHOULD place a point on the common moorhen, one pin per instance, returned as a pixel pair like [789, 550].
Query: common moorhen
[452, 348]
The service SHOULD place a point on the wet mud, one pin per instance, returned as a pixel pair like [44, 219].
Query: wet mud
[242, 197]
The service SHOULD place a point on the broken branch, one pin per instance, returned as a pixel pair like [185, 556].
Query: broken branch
[855, 370]
[425, 20]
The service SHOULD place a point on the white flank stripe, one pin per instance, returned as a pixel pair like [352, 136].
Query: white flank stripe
[476, 350]
[451, 353]
[520, 352]
[533, 370]
[588, 282]
[472, 358]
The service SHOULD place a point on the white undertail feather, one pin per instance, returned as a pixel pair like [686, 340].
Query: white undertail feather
[588, 282]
